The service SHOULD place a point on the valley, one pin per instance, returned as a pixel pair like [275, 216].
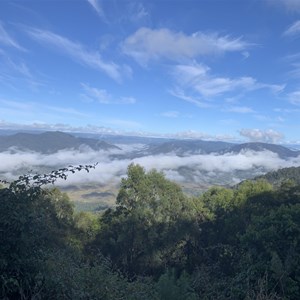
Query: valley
[195, 165]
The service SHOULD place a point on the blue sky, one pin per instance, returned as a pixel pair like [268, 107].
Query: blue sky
[224, 70]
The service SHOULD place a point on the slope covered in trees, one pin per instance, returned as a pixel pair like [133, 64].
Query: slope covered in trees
[157, 243]
[281, 175]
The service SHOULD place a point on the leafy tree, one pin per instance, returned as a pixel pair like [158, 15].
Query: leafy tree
[272, 244]
[151, 225]
[33, 221]
[169, 287]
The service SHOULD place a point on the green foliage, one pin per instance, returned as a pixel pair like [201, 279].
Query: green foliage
[151, 225]
[169, 287]
[281, 175]
[218, 200]
[70, 276]
[33, 221]
[272, 244]
[248, 189]
[241, 243]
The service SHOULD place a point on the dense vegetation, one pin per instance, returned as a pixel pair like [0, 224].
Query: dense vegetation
[277, 177]
[157, 243]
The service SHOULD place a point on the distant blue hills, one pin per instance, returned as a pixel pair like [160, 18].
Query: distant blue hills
[53, 141]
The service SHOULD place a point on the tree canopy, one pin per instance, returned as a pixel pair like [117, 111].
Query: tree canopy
[156, 243]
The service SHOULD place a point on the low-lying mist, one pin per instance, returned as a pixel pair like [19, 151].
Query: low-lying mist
[228, 168]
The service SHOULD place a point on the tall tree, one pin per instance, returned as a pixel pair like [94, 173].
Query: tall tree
[150, 226]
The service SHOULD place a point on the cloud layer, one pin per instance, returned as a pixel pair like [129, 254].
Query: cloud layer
[103, 97]
[198, 78]
[195, 168]
[151, 44]
[77, 52]
[7, 40]
[266, 136]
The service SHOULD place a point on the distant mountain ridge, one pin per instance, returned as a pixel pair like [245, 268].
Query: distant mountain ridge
[193, 147]
[53, 141]
[187, 147]
[281, 151]
[50, 142]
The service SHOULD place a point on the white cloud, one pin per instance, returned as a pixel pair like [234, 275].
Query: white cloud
[111, 170]
[179, 93]
[37, 109]
[23, 106]
[294, 29]
[97, 7]
[127, 100]
[240, 109]
[287, 110]
[77, 52]
[290, 5]
[192, 134]
[198, 78]
[151, 44]
[258, 135]
[171, 114]
[15, 72]
[8, 40]
[245, 54]
[294, 61]
[137, 11]
[220, 163]
[103, 97]
[36, 115]
[43, 126]
[294, 97]
[66, 110]
[262, 118]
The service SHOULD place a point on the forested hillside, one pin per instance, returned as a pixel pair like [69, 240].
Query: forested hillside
[157, 243]
[277, 177]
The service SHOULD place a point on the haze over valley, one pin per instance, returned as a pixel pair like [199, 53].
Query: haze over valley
[195, 164]
[150, 150]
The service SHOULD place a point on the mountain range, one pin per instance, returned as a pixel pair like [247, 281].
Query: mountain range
[194, 147]
[51, 142]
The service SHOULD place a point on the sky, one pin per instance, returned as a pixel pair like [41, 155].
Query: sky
[210, 69]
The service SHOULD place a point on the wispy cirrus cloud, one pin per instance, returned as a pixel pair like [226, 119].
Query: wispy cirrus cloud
[240, 109]
[174, 114]
[290, 5]
[293, 30]
[152, 44]
[170, 114]
[4, 124]
[96, 5]
[198, 79]
[103, 97]
[16, 71]
[287, 110]
[180, 93]
[258, 135]
[28, 110]
[137, 11]
[293, 60]
[77, 52]
[7, 40]
[294, 97]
